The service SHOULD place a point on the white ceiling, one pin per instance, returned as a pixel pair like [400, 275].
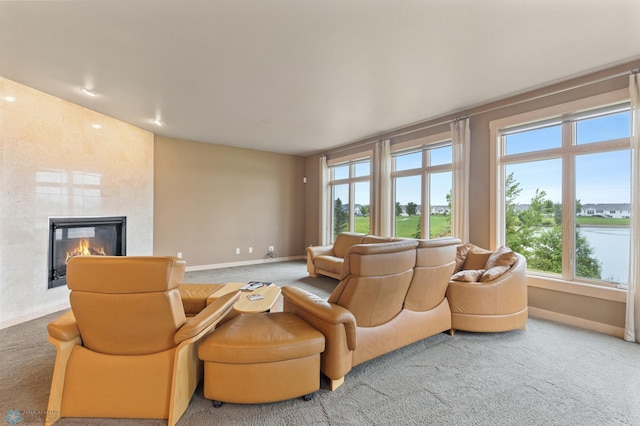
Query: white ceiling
[300, 76]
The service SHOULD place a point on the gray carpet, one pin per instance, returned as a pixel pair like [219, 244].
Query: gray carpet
[549, 374]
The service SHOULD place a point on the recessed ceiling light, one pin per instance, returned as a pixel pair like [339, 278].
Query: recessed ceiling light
[158, 122]
[90, 92]
[96, 126]
[9, 98]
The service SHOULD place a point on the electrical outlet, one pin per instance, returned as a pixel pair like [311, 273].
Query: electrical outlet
[250, 249]
[271, 248]
[237, 251]
[179, 255]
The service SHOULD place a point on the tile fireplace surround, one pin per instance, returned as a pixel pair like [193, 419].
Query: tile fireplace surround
[54, 162]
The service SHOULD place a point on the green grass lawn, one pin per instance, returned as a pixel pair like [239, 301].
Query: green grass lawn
[406, 226]
[601, 221]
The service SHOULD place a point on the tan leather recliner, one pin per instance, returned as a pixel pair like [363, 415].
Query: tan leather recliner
[126, 349]
[380, 304]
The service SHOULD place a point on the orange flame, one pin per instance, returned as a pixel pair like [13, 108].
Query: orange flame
[84, 249]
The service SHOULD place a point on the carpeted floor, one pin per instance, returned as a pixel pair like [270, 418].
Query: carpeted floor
[549, 374]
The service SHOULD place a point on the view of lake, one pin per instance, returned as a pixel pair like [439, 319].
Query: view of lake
[611, 247]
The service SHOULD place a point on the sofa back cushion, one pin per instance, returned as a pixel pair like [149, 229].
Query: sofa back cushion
[435, 262]
[344, 241]
[374, 239]
[375, 281]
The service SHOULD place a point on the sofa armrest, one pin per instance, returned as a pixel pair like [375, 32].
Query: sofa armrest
[208, 318]
[64, 328]
[315, 251]
[323, 311]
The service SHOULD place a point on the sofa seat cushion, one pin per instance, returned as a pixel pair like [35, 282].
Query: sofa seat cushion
[331, 264]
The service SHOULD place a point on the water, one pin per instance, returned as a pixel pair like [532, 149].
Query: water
[611, 247]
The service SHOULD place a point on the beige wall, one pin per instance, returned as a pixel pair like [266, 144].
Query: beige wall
[553, 304]
[211, 199]
[54, 163]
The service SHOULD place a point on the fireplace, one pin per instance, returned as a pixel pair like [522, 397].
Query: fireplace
[83, 236]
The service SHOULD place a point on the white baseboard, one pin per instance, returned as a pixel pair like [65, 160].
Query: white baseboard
[577, 322]
[242, 263]
[33, 315]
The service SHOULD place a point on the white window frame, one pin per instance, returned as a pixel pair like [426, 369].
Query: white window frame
[351, 180]
[424, 145]
[497, 201]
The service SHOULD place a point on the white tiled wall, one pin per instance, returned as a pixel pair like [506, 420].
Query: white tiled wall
[53, 162]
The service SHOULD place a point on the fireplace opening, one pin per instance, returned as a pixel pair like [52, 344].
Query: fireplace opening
[83, 236]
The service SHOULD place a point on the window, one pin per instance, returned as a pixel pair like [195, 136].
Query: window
[422, 180]
[350, 196]
[563, 188]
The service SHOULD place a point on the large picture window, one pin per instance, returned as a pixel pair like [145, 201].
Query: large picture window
[350, 185]
[563, 190]
[422, 180]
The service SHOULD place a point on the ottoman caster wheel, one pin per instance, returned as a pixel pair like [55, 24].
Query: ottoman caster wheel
[308, 397]
[217, 404]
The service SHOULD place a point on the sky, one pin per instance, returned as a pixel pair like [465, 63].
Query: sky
[600, 177]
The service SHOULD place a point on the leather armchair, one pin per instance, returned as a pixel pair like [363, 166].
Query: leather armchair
[327, 260]
[384, 301]
[492, 306]
[126, 349]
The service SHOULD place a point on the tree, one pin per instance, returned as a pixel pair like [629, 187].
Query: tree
[398, 208]
[412, 208]
[528, 233]
[418, 233]
[364, 210]
[512, 191]
[340, 217]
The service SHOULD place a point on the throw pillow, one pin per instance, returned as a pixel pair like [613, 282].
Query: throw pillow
[493, 273]
[504, 256]
[468, 275]
[476, 258]
[461, 255]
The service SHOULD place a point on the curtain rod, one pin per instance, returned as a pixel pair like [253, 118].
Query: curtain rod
[392, 134]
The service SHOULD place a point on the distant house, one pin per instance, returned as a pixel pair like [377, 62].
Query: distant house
[440, 210]
[617, 210]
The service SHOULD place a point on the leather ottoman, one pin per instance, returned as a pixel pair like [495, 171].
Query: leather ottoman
[194, 296]
[261, 358]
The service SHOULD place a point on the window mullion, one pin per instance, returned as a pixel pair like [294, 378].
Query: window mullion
[568, 201]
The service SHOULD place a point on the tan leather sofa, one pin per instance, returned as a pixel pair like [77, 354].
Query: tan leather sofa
[495, 305]
[126, 349]
[327, 260]
[390, 295]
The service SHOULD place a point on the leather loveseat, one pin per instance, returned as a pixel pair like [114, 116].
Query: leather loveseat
[327, 260]
[390, 295]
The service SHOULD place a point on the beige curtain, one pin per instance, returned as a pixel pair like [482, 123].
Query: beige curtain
[461, 137]
[325, 220]
[632, 327]
[381, 206]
